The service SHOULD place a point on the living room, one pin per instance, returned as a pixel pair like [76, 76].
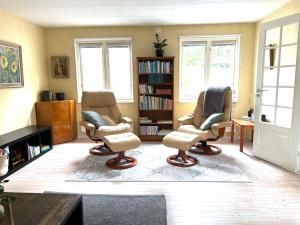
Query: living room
[241, 183]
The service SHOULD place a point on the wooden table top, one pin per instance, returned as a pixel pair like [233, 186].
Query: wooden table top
[42, 209]
[241, 122]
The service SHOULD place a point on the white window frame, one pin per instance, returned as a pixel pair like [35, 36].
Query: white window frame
[209, 39]
[103, 42]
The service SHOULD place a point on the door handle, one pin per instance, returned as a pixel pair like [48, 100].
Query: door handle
[258, 91]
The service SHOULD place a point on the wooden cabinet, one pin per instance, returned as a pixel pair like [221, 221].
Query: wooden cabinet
[61, 115]
[156, 97]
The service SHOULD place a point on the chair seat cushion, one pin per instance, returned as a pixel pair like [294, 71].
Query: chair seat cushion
[94, 118]
[117, 129]
[202, 135]
[212, 119]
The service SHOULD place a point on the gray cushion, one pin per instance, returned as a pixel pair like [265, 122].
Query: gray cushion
[94, 118]
[213, 118]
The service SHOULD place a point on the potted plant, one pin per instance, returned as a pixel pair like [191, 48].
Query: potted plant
[159, 45]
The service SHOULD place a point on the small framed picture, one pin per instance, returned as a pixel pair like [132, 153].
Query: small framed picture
[11, 71]
[60, 66]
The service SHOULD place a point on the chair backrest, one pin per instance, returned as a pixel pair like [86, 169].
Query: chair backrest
[198, 117]
[103, 102]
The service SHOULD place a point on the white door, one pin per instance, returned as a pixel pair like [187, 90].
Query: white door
[277, 113]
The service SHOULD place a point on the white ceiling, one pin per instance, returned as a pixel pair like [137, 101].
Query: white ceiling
[58, 13]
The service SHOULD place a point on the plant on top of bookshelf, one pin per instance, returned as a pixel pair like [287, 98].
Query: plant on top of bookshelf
[159, 45]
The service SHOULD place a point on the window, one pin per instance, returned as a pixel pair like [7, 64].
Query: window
[208, 61]
[105, 64]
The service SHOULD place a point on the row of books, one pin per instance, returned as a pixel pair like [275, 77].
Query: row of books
[148, 89]
[154, 67]
[154, 130]
[33, 151]
[155, 103]
[149, 130]
[156, 79]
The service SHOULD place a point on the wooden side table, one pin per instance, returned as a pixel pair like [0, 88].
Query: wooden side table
[242, 124]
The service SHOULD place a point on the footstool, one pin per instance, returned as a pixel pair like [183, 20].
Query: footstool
[183, 142]
[119, 143]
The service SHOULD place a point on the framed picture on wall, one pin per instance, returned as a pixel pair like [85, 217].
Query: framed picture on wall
[11, 70]
[60, 66]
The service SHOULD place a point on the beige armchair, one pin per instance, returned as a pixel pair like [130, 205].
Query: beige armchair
[191, 124]
[104, 103]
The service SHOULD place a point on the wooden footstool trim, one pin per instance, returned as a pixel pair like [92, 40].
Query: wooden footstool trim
[101, 150]
[205, 149]
[121, 162]
[187, 160]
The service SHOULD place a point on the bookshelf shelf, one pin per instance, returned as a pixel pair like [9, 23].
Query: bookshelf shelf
[20, 142]
[156, 96]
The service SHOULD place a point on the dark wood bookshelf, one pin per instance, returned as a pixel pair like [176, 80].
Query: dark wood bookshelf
[18, 143]
[162, 69]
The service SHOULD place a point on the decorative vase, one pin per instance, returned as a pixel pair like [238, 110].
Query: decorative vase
[60, 96]
[159, 52]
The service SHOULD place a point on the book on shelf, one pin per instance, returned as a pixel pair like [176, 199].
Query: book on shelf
[155, 103]
[147, 67]
[163, 91]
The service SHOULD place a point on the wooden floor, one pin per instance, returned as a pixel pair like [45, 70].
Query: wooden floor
[273, 197]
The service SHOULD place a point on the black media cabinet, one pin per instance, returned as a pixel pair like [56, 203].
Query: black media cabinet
[25, 145]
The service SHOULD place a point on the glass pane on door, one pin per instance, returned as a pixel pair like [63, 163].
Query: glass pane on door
[270, 77]
[273, 36]
[287, 76]
[290, 34]
[267, 114]
[288, 55]
[285, 97]
[269, 96]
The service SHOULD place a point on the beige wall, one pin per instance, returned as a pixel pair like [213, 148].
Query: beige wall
[60, 42]
[17, 104]
[288, 9]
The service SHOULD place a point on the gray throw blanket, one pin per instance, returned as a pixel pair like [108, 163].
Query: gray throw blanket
[214, 100]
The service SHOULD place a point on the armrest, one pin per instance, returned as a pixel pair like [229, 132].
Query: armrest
[215, 128]
[88, 126]
[185, 120]
[125, 119]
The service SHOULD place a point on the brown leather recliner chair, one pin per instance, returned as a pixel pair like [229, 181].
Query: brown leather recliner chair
[191, 124]
[104, 103]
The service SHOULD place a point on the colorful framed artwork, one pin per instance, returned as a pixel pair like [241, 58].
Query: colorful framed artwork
[11, 69]
[60, 66]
